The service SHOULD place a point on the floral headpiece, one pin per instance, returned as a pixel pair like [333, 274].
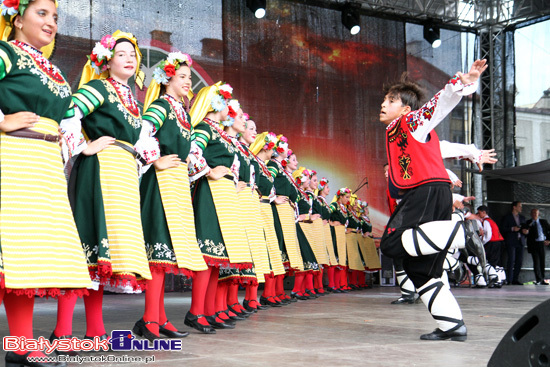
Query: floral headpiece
[9, 9]
[246, 116]
[13, 7]
[96, 67]
[270, 141]
[289, 152]
[167, 68]
[312, 173]
[219, 100]
[301, 175]
[343, 191]
[233, 106]
[281, 145]
[322, 184]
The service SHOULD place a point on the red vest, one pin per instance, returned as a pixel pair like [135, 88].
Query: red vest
[413, 163]
[495, 233]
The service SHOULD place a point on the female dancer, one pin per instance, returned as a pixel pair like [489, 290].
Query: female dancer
[353, 233]
[304, 278]
[230, 278]
[166, 209]
[318, 244]
[325, 210]
[39, 240]
[264, 266]
[284, 215]
[339, 217]
[221, 241]
[103, 186]
[262, 148]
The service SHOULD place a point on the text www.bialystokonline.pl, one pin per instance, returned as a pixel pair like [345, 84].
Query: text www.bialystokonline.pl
[94, 359]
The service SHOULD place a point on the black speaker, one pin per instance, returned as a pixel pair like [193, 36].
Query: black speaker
[527, 343]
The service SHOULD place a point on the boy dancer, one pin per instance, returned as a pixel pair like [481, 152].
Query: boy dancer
[420, 231]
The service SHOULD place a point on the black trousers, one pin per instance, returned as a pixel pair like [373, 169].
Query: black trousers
[492, 252]
[426, 203]
[537, 252]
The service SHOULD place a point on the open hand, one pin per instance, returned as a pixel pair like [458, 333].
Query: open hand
[98, 145]
[478, 67]
[19, 120]
[167, 161]
[487, 156]
[218, 172]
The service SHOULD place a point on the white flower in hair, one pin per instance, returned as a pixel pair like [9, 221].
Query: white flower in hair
[102, 52]
[218, 103]
[180, 57]
[234, 104]
[226, 88]
[160, 76]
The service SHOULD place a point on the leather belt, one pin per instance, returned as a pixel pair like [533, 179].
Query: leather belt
[229, 177]
[130, 150]
[30, 134]
[307, 221]
[265, 201]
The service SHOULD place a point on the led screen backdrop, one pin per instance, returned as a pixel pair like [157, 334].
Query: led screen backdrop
[297, 72]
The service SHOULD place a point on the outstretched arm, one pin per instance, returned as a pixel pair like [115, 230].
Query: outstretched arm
[478, 67]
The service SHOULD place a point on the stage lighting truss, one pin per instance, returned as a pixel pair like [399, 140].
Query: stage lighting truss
[257, 7]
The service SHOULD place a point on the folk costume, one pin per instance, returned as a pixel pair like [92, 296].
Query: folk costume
[339, 221]
[356, 263]
[325, 211]
[303, 280]
[420, 231]
[39, 240]
[264, 181]
[166, 209]
[104, 187]
[223, 244]
[284, 216]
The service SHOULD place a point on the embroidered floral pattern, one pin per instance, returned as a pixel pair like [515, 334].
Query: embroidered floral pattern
[121, 94]
[32, 59]
[219, 134]
[177, 111]
[160, 252]
[211, 248]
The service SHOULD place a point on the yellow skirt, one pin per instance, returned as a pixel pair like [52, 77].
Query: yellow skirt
[288, 223]
[40, 244]
[354, 258]
[176, 200]
[341, 244]
[318, 244]
[251, 223]
[235, 240]
[370, 254]
[275, 259]
[327, 240]
[121, 201]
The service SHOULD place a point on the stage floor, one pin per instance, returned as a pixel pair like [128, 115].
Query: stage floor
[360, 328]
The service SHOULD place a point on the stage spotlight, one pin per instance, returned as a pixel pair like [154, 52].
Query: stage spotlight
[431, 34]
[350, 19]
[257, 7]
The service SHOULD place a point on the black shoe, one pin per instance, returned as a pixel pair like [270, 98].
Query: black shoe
[193, 321]
[403, 300]
[102, 337]
[310, 294]
[515, 282]
[295, 295]
[543, 283]
[71, 353]
[228, 321]
[218, 325]
[269, 302]
[285, 301]
[343, 290]
[20, 360]
[249, 308]
[283, 296]
[243, 313]
[459, 335]
[329, 289]
[170, 333]
[236, 317]
[320, 294]
[140, 329]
